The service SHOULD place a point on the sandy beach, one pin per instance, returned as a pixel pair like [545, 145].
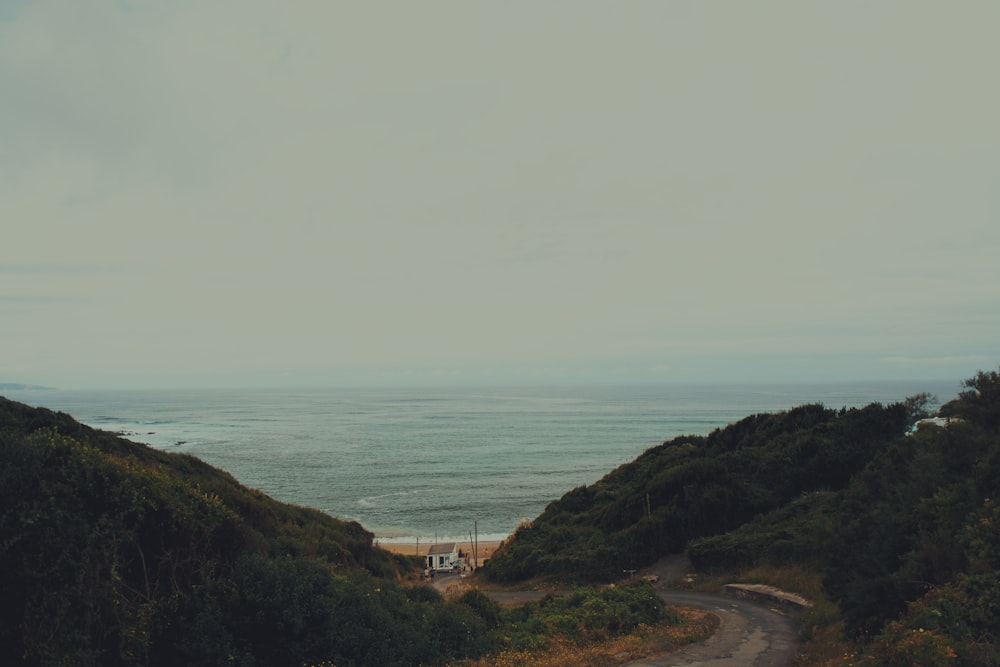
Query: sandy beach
[486, 548]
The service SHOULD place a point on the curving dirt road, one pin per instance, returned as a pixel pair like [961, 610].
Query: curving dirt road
[749, 634]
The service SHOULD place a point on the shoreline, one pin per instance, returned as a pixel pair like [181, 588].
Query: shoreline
[486, 547]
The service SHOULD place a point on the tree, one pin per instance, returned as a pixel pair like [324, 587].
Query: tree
[979, 403]
[919, 406]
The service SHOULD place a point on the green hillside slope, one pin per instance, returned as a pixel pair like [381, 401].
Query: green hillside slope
[901, 525]
[691, 487]
[113, 553]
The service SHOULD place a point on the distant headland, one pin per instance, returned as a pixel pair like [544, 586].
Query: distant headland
[16, 386]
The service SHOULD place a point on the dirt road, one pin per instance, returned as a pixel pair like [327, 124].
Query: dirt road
[750, 634]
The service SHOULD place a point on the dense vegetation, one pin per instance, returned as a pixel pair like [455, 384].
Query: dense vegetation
[113, 553]
[903, 526]
[584, 617]
[696, 486]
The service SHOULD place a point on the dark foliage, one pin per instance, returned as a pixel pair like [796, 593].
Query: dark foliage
[587, 615]
[113, 553]
[915, 533]
[902, 523]
[693, 487]
[979, 403]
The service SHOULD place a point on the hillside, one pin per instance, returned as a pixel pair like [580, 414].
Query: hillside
[900, 524]
[694, 486]
[114, 553]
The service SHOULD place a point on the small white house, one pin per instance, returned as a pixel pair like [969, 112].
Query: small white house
[443, 556]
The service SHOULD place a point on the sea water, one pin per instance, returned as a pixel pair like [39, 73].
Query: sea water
[437, 463]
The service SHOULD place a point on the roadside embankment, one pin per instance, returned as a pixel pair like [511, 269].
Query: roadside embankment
[770, 594]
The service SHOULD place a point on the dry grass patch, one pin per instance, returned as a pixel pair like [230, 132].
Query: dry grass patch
[645, 641]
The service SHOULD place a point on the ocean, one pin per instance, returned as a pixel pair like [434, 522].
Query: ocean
[437, 463]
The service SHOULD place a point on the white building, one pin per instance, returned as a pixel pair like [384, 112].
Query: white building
[443, 556]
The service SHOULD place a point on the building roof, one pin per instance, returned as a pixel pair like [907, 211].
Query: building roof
[443, 548]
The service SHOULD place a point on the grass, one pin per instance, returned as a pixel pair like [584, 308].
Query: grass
[645, 641]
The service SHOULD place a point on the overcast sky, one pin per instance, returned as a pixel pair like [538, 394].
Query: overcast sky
[252, 192]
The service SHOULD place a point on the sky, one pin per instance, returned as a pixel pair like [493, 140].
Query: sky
[252, 193]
